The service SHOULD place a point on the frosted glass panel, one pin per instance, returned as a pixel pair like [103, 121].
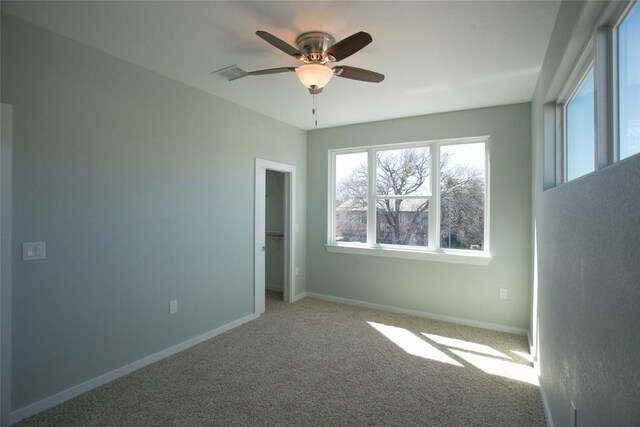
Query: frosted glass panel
[580, 128]
[629, 83]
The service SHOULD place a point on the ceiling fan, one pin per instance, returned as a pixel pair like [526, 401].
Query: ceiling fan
[316, 49]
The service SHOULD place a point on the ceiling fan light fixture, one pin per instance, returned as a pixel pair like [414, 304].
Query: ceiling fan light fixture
[314, 76]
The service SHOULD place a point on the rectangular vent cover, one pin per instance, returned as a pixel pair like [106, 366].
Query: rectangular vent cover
[230, 73]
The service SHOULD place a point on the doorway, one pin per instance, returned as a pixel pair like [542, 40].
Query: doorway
[274, 232]
[274, 236]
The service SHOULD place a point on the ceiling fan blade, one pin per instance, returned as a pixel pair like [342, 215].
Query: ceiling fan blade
[282, 45]
[354, 73]
[271, 71]
[349, 46]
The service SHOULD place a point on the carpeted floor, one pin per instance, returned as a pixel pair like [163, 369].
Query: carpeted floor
[320, 363]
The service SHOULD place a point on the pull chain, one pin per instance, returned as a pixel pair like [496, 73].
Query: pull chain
[314, 109]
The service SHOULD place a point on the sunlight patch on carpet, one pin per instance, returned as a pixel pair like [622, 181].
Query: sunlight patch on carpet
[503, 368]
[413, 344]
[465, 345]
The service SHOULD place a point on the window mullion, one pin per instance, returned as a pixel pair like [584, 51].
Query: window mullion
[331, 213]
[561, 137]
[614, 142]
[401, 196]
[603, 101]
[434, 204]
[371, 203]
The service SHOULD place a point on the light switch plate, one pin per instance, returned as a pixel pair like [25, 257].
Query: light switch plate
[503, 293]
[173, 306]
[34, 250]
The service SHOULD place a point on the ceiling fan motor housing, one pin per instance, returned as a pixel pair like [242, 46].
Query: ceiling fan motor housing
[313, 44]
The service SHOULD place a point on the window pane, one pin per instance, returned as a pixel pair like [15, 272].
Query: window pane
[629, 83]
[462, 194]
[580, 127]
[402, 222]
[403, 172]
[351, 197]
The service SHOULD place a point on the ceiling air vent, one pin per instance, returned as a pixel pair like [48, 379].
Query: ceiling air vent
[230, 73]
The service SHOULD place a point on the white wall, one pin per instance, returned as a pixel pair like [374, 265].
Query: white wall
[588, 247]
[143, 190]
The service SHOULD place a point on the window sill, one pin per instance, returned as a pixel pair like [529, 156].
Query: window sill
[458, 257]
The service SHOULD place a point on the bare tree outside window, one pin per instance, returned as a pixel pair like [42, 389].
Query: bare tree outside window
[403, 176]
[462, 194]
[351, 197]
[403, 196]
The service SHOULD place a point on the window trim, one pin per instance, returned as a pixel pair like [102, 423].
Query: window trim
[432, 252]
[387, 251]
[619, 15]
[565, 130]
[586, 62]
[601, 52]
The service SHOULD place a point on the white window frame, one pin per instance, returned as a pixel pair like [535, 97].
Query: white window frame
[583, 66]
[601, 53]
[432, 252]
[612, 33]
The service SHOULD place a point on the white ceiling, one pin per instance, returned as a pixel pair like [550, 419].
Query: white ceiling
[436, 56]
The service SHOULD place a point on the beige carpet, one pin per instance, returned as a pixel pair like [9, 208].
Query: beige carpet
[320, 363]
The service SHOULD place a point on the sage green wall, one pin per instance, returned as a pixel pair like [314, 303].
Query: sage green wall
[459, 290]
[588, 288]
[143, 189]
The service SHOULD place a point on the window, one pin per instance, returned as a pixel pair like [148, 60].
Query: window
[628, 36]
[576, 111]
[580, 137]
[351, 200]
[424, 199]
[403, 191]
[595, 120]
[462, 191]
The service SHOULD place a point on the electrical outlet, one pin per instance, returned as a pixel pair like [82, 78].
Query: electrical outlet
[574, 415]
[173, 306]
[503, 293]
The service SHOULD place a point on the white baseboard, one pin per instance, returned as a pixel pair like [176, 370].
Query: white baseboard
[545, 405]
[532, 351]
[298, 297]
[543, 393]
[425, 314]
[77, 390]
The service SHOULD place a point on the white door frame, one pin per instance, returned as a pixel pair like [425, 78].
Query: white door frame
[289, 236]
[6, 160]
